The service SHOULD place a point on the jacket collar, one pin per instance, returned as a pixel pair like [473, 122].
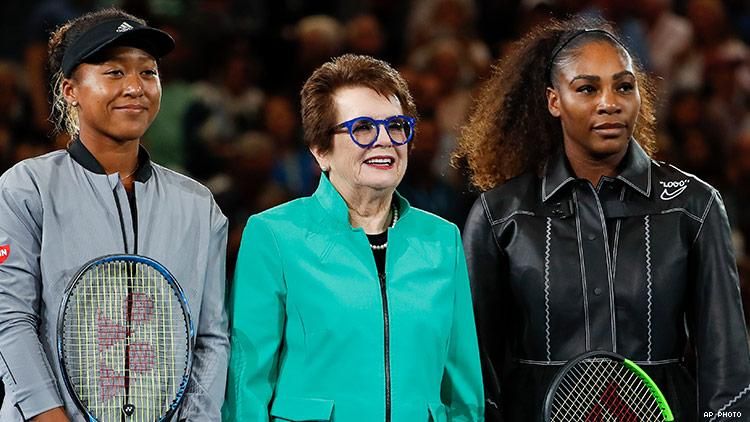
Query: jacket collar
[557, 173]
[636, 172]
[333, 203]
[85, 158]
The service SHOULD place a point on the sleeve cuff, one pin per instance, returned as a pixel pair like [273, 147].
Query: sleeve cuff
[35, 399]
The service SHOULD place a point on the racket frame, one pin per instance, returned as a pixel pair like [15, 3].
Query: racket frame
[183, 303]
[629, 364]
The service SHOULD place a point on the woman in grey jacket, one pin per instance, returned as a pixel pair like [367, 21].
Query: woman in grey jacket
[101, 196]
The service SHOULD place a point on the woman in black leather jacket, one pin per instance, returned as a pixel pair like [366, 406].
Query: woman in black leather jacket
[582, 242]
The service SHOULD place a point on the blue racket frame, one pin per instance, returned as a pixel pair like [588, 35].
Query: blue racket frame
[183, 303]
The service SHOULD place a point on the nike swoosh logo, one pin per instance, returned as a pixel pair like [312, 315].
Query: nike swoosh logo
[666, 195]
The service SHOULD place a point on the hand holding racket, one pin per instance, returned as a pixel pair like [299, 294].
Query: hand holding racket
[125, 340]
[602, 386]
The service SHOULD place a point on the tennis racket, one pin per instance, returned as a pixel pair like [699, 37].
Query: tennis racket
[602, 386]
[125, 340]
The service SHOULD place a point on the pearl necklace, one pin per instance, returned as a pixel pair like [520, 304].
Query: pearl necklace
[393, 223]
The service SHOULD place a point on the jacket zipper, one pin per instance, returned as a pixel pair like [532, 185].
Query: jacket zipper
[122, 221]
[386, 347]
[123, 416]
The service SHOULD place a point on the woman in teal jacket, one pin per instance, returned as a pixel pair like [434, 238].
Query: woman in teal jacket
[350, 305]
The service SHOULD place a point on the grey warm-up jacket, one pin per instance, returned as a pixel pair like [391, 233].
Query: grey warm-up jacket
[61, 210]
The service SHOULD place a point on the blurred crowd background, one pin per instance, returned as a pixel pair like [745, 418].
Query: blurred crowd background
[230, 107]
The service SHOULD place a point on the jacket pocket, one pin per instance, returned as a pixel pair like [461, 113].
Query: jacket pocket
[297, 409]
[437, 412]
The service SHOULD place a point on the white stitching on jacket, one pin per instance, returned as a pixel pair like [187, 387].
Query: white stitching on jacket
[703, 219]
[647, 240]
[547, 241]
[507, 217]
[583, 272]
[730, 402]
[617, 238]
[489, 218]
[684, 211]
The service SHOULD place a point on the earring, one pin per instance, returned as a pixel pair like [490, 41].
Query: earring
[74, 103]
[324, 168]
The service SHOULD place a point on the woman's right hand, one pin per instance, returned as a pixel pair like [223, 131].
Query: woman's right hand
[54, 415]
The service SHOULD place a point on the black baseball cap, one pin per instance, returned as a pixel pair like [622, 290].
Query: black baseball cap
[115, 32]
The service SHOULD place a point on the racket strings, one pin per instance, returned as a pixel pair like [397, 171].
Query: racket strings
[119, 306]
[603, 390]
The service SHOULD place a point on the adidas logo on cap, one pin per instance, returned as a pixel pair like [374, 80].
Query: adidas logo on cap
[124, 27]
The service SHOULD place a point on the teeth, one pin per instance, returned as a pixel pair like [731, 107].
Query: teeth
[383, 161]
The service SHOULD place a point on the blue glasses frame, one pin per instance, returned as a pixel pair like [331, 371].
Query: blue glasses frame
[349, 126]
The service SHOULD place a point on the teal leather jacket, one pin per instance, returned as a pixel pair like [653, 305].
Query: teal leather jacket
[315, 338]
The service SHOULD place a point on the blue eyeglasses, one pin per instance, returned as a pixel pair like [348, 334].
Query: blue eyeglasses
[364, 130]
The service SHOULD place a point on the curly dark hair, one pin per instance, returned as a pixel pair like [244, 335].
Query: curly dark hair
[510, 130]
[63, 115]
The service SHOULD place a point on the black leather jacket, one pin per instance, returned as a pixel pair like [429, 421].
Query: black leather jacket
[642, 265]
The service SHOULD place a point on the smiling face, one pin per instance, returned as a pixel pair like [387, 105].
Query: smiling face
[117, 98]
[356, 171]
[596, 98]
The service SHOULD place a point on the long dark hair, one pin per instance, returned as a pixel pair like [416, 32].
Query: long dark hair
[510, 130]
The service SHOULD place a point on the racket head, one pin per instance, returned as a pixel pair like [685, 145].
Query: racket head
[154, 326]
[601, 386]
